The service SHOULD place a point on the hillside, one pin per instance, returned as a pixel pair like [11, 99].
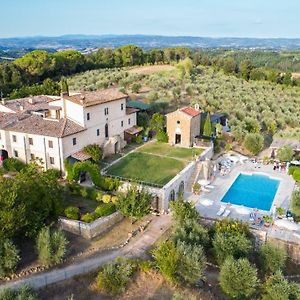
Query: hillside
[251, 105]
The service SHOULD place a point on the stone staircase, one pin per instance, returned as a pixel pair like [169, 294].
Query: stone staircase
[194, 176]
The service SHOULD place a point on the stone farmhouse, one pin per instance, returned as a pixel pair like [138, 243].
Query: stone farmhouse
[55, 128]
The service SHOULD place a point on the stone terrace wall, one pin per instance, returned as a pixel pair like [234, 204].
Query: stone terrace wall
[90, 230]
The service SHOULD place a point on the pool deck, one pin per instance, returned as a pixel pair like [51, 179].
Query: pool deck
[209, 203]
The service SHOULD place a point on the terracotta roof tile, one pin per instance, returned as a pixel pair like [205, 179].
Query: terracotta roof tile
[190, 111]
[34, 124]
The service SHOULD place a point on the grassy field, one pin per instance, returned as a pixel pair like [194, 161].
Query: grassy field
[146, 167]
[169, 151]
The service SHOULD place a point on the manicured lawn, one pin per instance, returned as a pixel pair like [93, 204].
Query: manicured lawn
[146, 167]
[167, 150]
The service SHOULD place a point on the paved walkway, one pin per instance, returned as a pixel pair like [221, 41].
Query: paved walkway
[136, 248]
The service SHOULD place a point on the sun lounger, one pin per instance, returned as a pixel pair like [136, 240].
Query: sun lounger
[210, 186]
[226, 213]
[221, 210]
[205, 190]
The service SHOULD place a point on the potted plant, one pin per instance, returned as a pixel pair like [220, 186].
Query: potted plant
[268, 220]
[196, 188]
[280, 212]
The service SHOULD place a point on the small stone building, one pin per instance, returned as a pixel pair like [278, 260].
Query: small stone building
[183, 125]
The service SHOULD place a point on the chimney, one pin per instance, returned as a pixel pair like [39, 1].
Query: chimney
[21, 107]
[3, 101]
[197, 106]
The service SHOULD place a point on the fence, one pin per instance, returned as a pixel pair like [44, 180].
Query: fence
[90, 230]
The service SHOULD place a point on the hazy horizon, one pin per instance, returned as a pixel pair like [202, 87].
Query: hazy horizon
[205, 18]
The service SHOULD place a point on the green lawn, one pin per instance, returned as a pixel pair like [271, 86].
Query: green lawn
[169, 151]
[146, 167]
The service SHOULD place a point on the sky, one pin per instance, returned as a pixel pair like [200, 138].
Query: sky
[211, 18]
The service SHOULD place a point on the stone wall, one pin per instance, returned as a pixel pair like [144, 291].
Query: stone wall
[90, 230]
[290, 244]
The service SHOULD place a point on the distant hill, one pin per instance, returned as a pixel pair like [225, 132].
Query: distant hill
[90, 42]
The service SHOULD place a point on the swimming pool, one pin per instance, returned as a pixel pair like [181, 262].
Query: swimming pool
[255, 191]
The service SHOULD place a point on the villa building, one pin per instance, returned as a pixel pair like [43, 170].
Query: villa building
[54, 128]
[183, 126]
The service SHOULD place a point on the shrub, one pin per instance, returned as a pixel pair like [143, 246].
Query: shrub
[182, 211]
[95, 151]
[99, 196]
[9, 257]
[192, 233]
[167, 259]
[238, 279]
[51, 246]
[135, 203]
[109, 184]
[277, 287]
[23, 293]
[13, 164]
[285, 153]
[296, 203]
[232, 226]
[88, 217]
[114, 277]
[105, 210]
[162, 137]
[230, 244]
[114, 199]
[272, 258]
[106, 198]
[254, 142]
[72, 212]
[180, 262]
[192, 263]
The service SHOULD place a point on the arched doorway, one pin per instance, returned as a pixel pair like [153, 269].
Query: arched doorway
[181, 189]
[106, 130]
[3, 155]
[172, 196]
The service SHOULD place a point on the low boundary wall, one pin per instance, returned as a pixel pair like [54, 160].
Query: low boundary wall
[90, 230]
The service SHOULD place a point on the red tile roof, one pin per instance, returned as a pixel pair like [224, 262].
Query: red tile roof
[190, 111]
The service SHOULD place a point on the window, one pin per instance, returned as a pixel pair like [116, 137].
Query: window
[51, 160]
[0, 136]
[14, 138]
[106, 111]
[178, 122]
[88, 116]
[50, 144]
[129, 121]
[122, 106]
[74, 141]
[30, 141]
[16, 154]
[98, 132]
[32, 156]
[106, 130]
[122, 123]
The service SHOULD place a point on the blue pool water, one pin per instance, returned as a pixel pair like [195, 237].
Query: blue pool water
[255, 191]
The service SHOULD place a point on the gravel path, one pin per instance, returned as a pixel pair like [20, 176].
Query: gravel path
[136, 248]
